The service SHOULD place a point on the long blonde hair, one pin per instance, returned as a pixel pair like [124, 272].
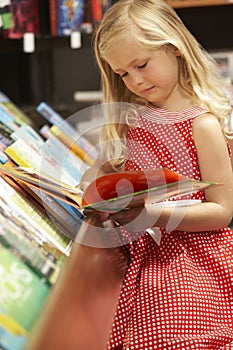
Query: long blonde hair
[155, 24]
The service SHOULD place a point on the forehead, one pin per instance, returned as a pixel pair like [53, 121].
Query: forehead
[124, 52]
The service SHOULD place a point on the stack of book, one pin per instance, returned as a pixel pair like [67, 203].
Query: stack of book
[36, 229]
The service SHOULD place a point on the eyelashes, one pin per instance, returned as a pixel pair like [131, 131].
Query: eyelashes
[123, 75]
[143, 65]
[139, 67]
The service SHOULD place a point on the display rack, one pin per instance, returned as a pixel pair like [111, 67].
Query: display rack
[197, 3]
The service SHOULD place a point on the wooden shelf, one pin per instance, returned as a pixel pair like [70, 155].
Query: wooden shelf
[198, 3]
[42, 43]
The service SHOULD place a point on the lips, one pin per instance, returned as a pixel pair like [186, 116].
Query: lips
[145, 91]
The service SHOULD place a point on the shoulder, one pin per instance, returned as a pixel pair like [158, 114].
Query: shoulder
[206, 120]
[207, 133]
[206, 125]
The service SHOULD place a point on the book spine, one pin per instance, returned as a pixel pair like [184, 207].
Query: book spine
[96, 11]
[53, 17]
[50, 115]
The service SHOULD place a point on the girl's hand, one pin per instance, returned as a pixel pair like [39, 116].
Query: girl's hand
[132, 219]
[83, 185]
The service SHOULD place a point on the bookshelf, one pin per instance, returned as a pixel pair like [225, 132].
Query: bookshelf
[198, 3]
[54, 72]
[43, 43]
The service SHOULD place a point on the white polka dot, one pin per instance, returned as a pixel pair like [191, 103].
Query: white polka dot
[178, 295]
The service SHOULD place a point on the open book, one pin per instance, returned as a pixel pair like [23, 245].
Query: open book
[114, 191]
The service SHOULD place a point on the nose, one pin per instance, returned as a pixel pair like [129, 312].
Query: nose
[137, 79]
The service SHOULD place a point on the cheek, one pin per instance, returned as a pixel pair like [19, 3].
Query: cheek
[166, 72]
[129, 85]
[167, 76]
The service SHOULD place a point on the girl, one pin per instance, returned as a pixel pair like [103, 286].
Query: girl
[178, 288]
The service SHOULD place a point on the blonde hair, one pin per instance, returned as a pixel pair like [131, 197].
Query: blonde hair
[155, 24]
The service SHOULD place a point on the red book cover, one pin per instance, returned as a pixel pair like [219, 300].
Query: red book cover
[113, 191]
[25, 17]
[96, 11]
[53, 16]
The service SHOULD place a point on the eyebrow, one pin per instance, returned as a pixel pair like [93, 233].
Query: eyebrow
[130, 63]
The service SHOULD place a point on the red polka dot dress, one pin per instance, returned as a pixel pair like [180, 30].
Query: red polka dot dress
[177, 293]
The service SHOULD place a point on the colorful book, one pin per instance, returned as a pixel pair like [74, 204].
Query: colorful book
[66, 220]
[22, 292]
[5, 131]
[96, 10]
[11, 220]
[16, 151]
[12, 335]
[19, 223]
[77, 138]
[3, 158]
[73, 147]
[25, 18]
[11, 116]
[55, 160]
[69, 163]
[114, 191]
[43, 263]
[5, 141]
[52, 149]
[7, 119]
[30, 215]
[53, 17]
[25, 155]
[28, 134]
[70, 16]
[6, 18]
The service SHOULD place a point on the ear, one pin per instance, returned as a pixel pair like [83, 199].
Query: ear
[177, 51]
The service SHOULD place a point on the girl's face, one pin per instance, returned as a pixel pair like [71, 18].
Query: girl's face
[152, 75]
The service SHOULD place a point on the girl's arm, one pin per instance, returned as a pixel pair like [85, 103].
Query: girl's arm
[215, 165]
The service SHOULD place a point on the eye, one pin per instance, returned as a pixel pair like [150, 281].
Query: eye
[143, 65]
[123, 75]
